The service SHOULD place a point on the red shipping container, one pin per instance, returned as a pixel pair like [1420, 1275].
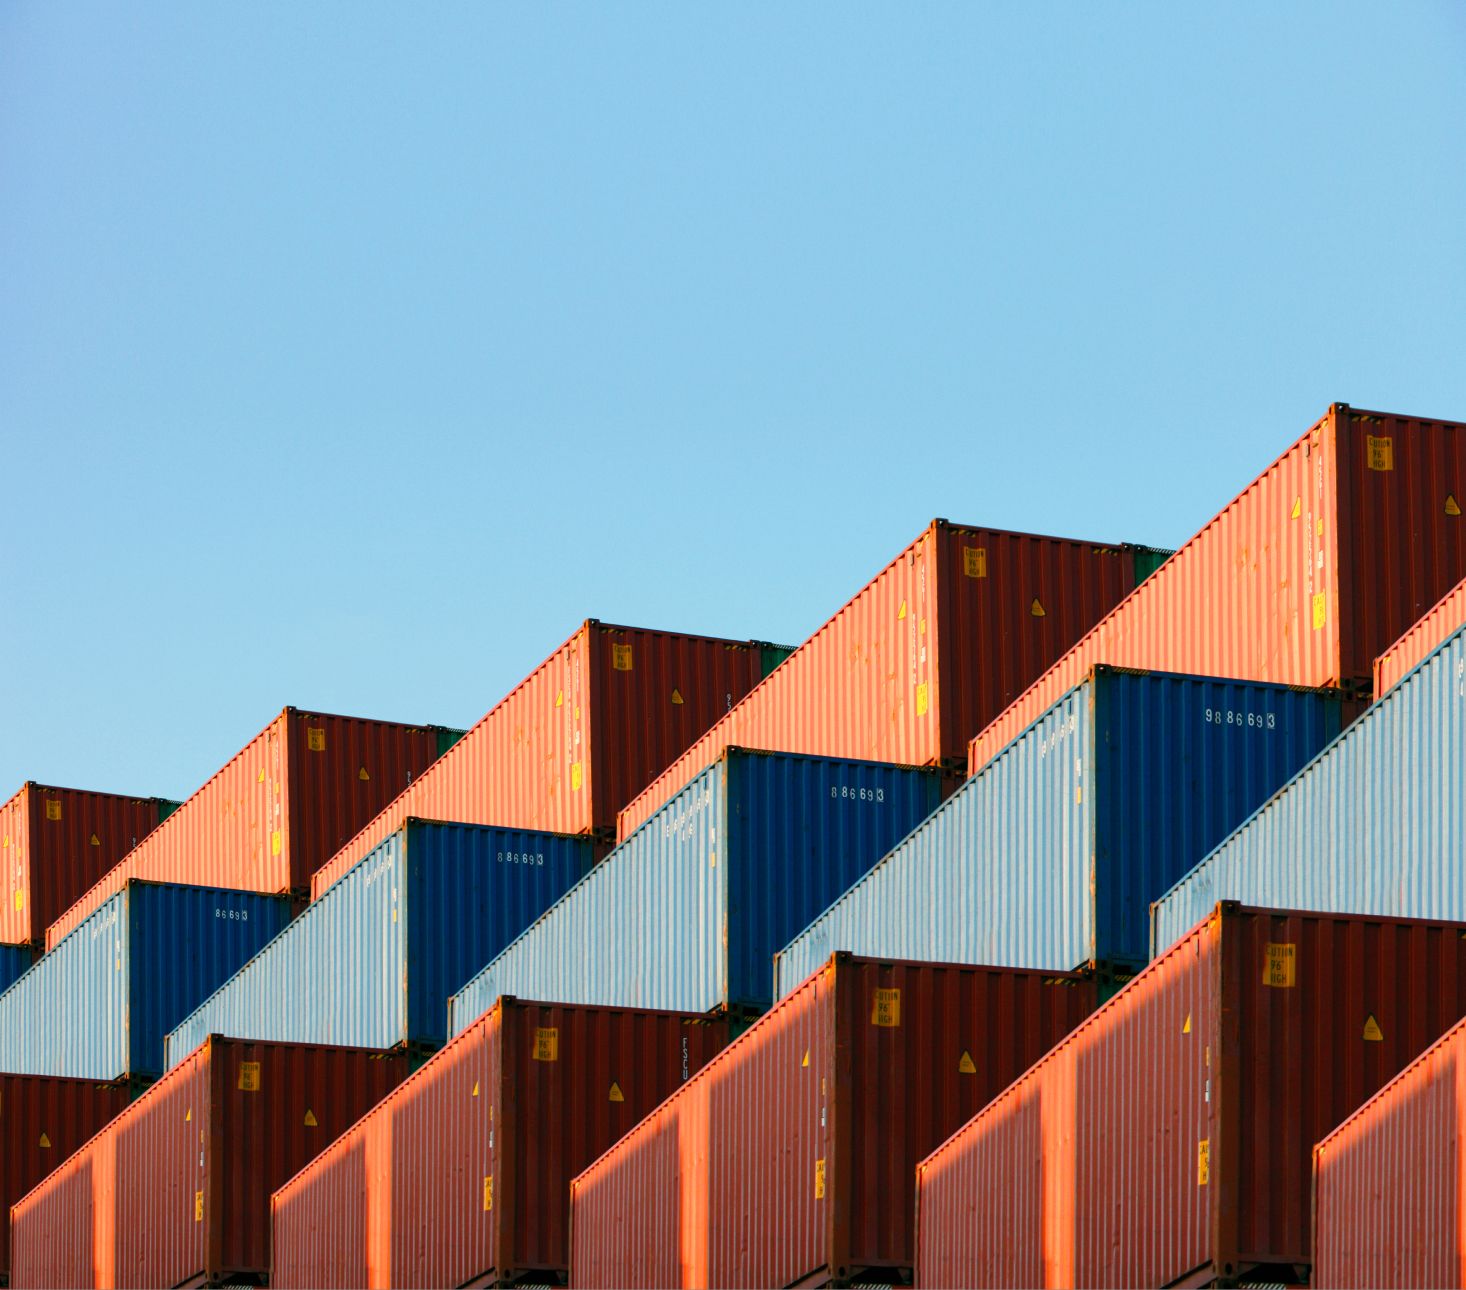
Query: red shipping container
[177, 1188]
[1337, 548]
[42, 1121]
[277, 810]
[1387, 1183]
[576, 740]
[792, 1158]
[930, 651]
[1168, 1140]
[463, 1175]
[1445, 618]
[55, 843]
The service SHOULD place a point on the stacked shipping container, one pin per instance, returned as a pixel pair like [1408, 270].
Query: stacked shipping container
[1442, 621]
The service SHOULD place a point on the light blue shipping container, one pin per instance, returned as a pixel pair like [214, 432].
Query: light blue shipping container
[98, 1005]
[372, 962]
[688, 911]
[14, 961]
[1375, 825]
[1050, 856]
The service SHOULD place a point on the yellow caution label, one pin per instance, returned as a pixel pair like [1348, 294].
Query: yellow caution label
[805, 1062]
[1297, 508]
[1186, 1028]
[488, 1192]
[886, 1008]
[53, 809]
[559, 698]
[187, 1119]
[546, 1044]
[975, 561]
[1453, 507]
[901, 613]
[198, 1207]
[1037, 609]
[362, 775]
[249, 1077]
[1203, 1162]
[1320, 610]
[1372, 1032]
[475, 1088]
[615, 1095]
[923, 699]
[5, 845]
[1280, 967]
[677, 696]
[576, 778]
[310, 1119]
[1318, 528]
[315, 738]
[96, 841]
[819, 1180]
[19, 900]
[1380, 452]
[45, 1142]
[621, 657]
[276, 842]
[260, 778]
[965, 1064]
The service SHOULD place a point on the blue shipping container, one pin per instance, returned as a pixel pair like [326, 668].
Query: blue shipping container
[14, 962]
[1050, 856]
[372, 962]
[1376, 825]
[688, 911]
[98, 1005]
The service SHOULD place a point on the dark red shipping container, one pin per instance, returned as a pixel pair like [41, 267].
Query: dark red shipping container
[55, 843]
[791, 1159]
[1169, 1139]
[930, 651]
[462, 1176]
[277, 811]
[576, 740]
[1337, 548]
[176, 1190]
[42, 1121]
[1446, 617]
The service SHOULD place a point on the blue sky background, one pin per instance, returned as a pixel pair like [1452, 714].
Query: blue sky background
[350, 357]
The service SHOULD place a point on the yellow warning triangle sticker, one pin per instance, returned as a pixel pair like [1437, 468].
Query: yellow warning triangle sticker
[45, 1142]
[676, 696]
[966, 1066]
[559, 698]
[901, 613]
[96, 841]
[805, 1062]
[1372, 1032]
[362, 774]
[1453, 507]
[616, 1092]
[261, 778]
[189, 1116]
[1186, 1029]
[310, 1119]
[1297, 508]
[475, 1088]
[1037, 610]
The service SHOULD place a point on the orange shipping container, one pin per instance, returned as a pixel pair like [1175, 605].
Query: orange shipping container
[577, 739]
[923, 657]
[276, 811]
[1443, 619]
[1337, 548]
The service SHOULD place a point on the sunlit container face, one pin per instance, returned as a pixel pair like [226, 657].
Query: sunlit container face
[688, 913]
[394, 939]
[577, 739]
[921, 658]
[791, 1159]
[476, 1151]
[1170, 1136]
[1442, 621]
[55, 843]
[177, 1188]
[276, 811]
[1337, 548]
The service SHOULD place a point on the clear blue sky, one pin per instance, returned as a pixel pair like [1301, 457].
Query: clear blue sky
[350, 357]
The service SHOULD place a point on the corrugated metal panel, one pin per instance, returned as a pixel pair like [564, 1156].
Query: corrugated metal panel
[98, 1006]
[1170, 1136]
[1376, 824]
[55, 843]
[1049, 857]
[1446, 617]
[576, 740]
[177, 1188]
[687, 914]
[922, 657]
[478, 1148]
[42, 1121]
[1387, 1194]
[276, 811]
[784, 1163]
[399, 934]
[1325, 559]
[15, 961]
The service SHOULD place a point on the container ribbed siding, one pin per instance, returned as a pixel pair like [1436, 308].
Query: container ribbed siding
[99, 1004]
[394, 938]
[1387, 1194]
[15, 961]
[1050, 857]
[922, 658]
[1337, 548]
[792, 1158]
[463, 1174]
[1376, 824]
[177, 1188]
[770, 656]
[55, 843]
[687, 914]
[1171, 1134]
[576, 740]
[1446, 617]
[276, 811]
[42, 1121]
